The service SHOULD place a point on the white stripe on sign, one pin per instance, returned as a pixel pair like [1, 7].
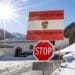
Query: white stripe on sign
[50, 25]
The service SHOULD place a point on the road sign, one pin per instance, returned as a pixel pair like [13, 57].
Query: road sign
[45, 66]
[43, 50]
[46, 25]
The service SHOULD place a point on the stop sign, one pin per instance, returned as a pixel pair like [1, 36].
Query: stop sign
[43, 50]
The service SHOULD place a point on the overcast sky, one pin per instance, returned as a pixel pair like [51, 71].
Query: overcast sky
[23, 7]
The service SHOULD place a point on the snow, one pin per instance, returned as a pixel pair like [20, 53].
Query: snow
[70, 70]
[32, 73]
[17, 68]
[68, 67]
[70, 48]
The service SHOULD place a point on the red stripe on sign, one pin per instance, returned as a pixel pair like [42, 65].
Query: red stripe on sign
[45, 34]
[46, 15]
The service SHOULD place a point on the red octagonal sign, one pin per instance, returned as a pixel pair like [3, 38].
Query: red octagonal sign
[43, 50]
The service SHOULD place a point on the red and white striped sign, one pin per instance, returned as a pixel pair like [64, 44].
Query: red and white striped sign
[46, 25]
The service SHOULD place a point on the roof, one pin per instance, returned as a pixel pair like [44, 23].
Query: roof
[12, 41]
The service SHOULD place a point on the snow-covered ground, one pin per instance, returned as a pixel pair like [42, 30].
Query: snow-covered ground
[17, 68]
[20, 68]
[68, 67]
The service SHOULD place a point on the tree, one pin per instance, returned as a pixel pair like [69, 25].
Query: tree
[69, 32]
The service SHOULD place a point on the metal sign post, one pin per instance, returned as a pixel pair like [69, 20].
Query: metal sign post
[43, 72]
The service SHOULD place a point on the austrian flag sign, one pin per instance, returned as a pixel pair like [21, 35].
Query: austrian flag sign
[43, 51]
[46, 25]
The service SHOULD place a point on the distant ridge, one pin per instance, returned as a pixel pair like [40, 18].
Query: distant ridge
[5, 34]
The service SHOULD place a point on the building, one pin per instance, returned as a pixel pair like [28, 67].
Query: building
[8, 47]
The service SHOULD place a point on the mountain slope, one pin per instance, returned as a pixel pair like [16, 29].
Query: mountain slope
[19, 36]
[5, 34]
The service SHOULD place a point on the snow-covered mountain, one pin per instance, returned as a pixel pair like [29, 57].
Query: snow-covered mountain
[5, 34]
[19, 36]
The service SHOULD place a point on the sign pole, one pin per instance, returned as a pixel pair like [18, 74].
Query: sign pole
[43, 72]
[59, 58]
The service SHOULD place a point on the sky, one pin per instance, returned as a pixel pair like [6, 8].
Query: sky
[19, 22]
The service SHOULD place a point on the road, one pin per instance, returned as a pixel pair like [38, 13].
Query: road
[19, 68]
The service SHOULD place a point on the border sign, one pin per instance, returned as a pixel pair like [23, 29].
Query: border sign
[46, 25]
